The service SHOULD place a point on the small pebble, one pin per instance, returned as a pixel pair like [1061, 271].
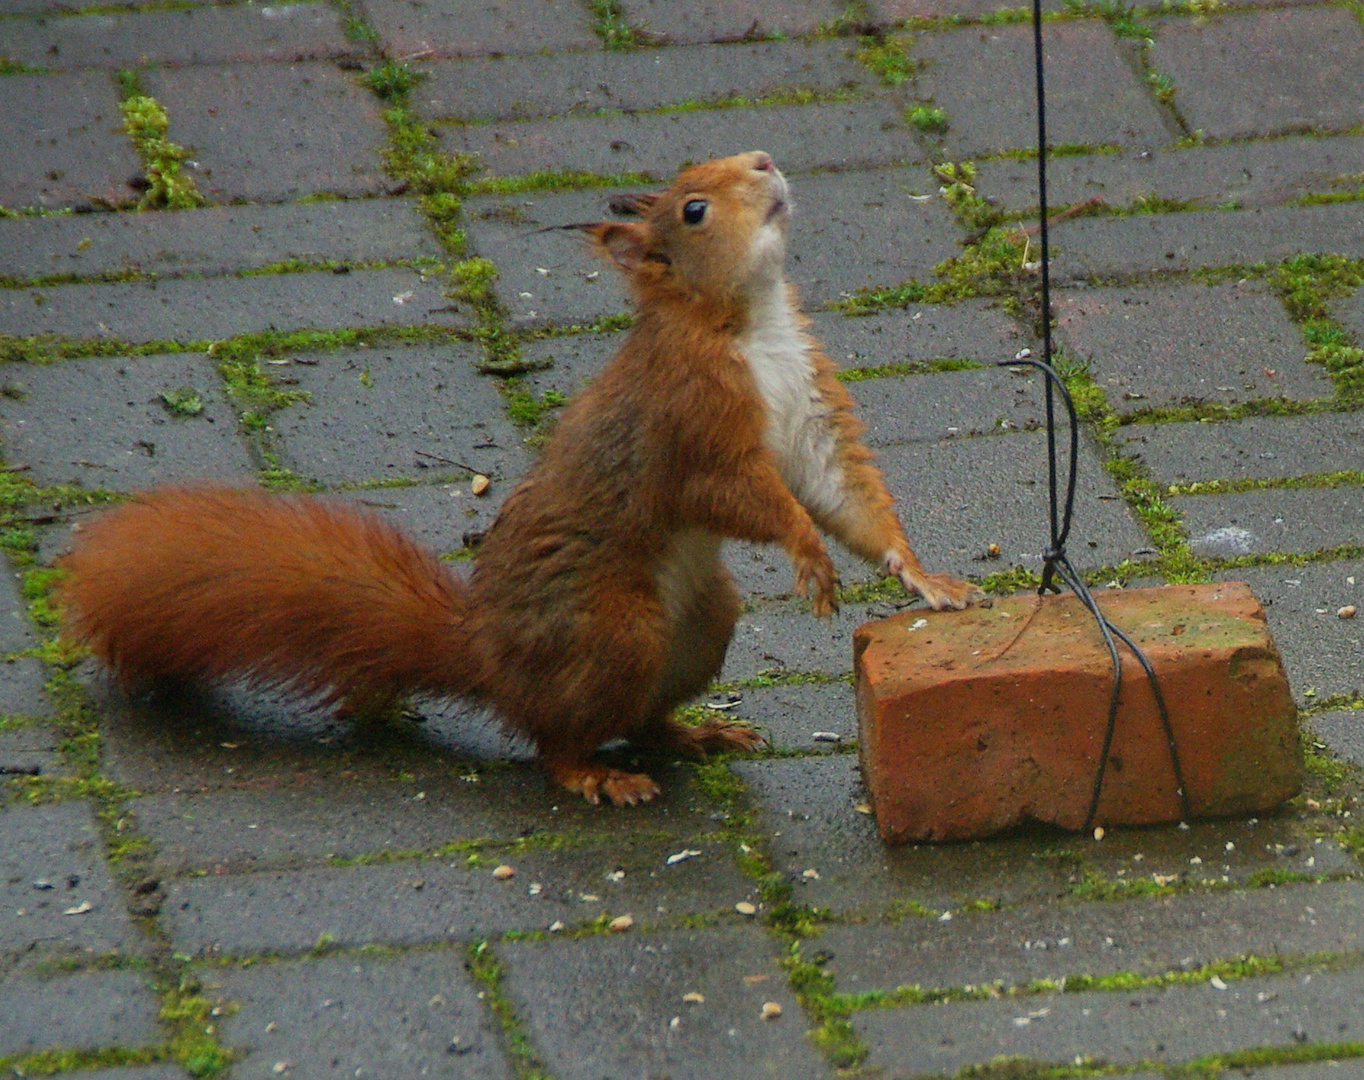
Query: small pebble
[503, 872]
[480, 484]
[1348, 611]
[743, 907]
[771, 1010]
[620, 923]
[555, 926]
[826, 736]
[694, 998]
[1099, 833]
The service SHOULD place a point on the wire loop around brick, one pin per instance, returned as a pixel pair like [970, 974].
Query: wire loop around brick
[1056, 563]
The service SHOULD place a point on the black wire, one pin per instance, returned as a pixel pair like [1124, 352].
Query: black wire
[1056, 563]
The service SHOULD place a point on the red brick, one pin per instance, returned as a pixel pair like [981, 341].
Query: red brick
[971, 722]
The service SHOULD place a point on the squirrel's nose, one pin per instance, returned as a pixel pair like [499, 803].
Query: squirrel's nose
[762, 161]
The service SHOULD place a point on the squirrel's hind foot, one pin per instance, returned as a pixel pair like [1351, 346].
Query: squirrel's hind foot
[697, 740]
[592, 781]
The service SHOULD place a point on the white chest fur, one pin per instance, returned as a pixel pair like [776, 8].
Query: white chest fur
[798, 430]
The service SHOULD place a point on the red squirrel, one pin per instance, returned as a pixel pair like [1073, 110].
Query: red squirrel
[598, 601]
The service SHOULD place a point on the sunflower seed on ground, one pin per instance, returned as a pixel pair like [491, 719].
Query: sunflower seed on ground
[826, 736]
[620, 923]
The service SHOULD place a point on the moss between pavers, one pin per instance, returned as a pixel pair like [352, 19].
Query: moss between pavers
[167, 186]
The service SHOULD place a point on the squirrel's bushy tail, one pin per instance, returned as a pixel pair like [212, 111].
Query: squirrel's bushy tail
[199, 584]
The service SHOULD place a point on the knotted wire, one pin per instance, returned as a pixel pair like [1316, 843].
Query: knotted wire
[1056, 563]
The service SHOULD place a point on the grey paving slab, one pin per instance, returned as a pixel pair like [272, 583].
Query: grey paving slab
[1257, 447]
[66, 143]
[890, 11]
[206, 35]
[30, 750]
[1254, 522]
[1053, 941]
[215, 239]
[808, 807]
[1220, 68]
[1186, 344]
[427, 901]
[1094, 97]
[1124, 247]
[15, 631]
[201, 309]
[861, 230]
[728, 20]
[791, 716]
[397, 411]
[91, 1011]
[787, 638]
[271, 132]
[1350, 311]
[850, 231]
[519, 87]
[1321, 651]
[765, 571]
[1331, 1069]
[825, 135]
[1173, 1024]
[51, 863]
[1343, 732]
[614, 1006]
[1244, 174]
[441, 516]
[413, 1015]
[503, 26]
[575, 360]
[102, 423]
[974, 330]
[943, 405]
[958, 496]
[135, 1072]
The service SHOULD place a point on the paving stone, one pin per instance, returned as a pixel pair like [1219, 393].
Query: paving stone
[214, 239]
[136, 1072]
[890, 11]
[1275, 519]
[1325, 1070]
[576, 359]
[1246, 174]
[101, 423]
[66, 143]
[30, 750]
[15, 631]
[427, 901]
[613, 1006]
[691, 21]
[1179, 345]
[270, 132]
[22, 690]
[1221, 68]
[441, 516]
[807, 806]
[1343, 731]
[975, 330]
[57, 844]
[207, 35]
[961, 495]
[850, 231]
[789, 716]
[1255, 448]
[787, 638]
[765, 571]
[514, 87]
[413, 1015]
[1323, 653]
[94, 1010]
[1350, 311]
[1052, 941]
[1171, 1024]
[1124, 247]
[943, 405]
[413, 28]
[977, 75]
[827, 135]
[201, 309]
[398, 411]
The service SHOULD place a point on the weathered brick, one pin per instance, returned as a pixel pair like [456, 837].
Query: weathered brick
[953, 748]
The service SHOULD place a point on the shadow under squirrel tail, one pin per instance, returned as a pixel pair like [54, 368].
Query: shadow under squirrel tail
[198, 584]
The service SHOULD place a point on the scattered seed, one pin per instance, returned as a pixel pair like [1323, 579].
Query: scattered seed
[862, 807]
[503, 872]
[743, 907]
[1217, 983]
[771, 1010]
[534, 889]
[620, 923]
[826, 736]
[480, 484]
[1099, 833]
[810, 875]
[1348, 611]
[693, 998]
[555, 926]
[681, 856]
[80, 909]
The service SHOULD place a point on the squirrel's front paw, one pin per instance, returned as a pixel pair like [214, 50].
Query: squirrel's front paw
[817, 579]
[943, 591]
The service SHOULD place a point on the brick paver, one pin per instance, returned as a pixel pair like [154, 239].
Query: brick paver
[257, 888]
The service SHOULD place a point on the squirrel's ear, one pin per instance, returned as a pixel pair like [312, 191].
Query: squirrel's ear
[636, 204]
[628, 243]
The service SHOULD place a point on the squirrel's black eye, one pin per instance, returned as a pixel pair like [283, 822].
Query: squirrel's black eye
[694, 211]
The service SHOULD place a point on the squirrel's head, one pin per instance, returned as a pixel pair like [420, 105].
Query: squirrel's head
[718, 233]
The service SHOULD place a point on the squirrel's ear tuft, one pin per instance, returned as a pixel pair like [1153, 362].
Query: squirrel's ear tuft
[635, 204]
[629, 244]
